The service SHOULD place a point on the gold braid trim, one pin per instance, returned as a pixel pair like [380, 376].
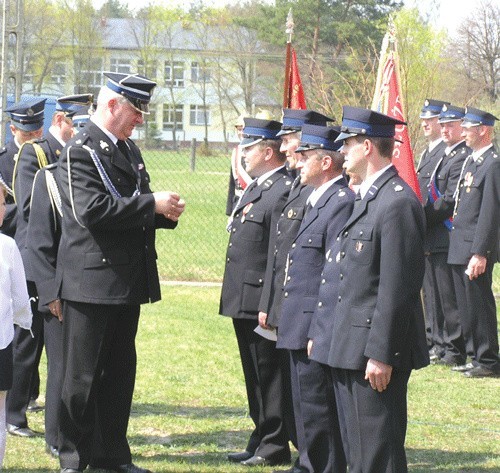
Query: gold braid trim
[40, 156]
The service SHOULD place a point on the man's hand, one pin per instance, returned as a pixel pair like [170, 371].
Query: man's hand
[476, 267]
[263, 321]
[55, 308]
[169, 204]
[378, 374]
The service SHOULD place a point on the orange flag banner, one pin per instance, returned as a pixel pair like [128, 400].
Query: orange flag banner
[388, 100]
[296, 97]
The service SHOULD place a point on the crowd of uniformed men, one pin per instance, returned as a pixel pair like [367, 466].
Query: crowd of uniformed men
[330, 256]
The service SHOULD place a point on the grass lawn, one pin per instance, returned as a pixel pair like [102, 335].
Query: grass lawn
[189, 407]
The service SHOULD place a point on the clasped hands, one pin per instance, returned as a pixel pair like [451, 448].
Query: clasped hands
[169, 204]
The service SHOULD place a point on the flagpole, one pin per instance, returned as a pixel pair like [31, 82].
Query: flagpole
[289, 32]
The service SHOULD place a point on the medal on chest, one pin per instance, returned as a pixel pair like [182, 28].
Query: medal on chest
[468, 178]
[245, 210]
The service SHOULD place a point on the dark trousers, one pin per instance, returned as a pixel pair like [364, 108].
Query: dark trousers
[478, 315]
[53, 338]
[99, 376]
[446, 306]
[318, 430]
[374, 424]
[262, 369]
[434, 319]
[26, 353]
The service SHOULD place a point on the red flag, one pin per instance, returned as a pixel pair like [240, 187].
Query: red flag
[296, 98]
[388, 100]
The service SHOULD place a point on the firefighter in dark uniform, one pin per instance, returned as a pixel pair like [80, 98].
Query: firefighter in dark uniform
[106, 268]
[378, 332]
[42, 242]
[328, 208]
[438, 213]
[26, 123]
[474, 243]
[428, 160]
[251, 244]
[32, 156]
[287, 227]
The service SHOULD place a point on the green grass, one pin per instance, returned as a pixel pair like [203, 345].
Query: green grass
[189, 406]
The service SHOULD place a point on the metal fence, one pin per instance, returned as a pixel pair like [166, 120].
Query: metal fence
[195, 250]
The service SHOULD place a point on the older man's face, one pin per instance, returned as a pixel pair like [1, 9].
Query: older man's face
[125, 119]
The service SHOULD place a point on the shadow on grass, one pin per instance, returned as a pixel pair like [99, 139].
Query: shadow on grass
[146, 409]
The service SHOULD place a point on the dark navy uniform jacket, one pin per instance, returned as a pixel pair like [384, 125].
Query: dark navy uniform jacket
[378, 312]
[251, 245]
[107, 249]
[44, 233]
[426, 167]
[318, 230]
[475, 225]
[24, 173]
[437, 238]
[287, 228]
[7, 156]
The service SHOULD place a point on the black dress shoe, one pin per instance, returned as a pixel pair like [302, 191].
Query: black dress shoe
[481, 372]
[20, 431]
[259, 461]
[33, 406]
[450, 361]
[463, 368]
[52, 450]
[238, 457]
[129, 468]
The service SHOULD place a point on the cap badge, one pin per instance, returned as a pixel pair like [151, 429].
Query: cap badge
[30, 112]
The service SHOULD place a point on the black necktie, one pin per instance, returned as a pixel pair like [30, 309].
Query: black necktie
[123, 147]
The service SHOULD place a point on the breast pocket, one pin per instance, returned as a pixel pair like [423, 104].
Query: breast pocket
[361, 244]
[312, 250]
[252, 225]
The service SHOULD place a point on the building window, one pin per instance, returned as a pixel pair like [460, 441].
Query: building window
[200, 72]
[120, 65]
[197, 115]
[171, 116]
[147, 68]
[174, 73]
[58, 73]
[92, 78]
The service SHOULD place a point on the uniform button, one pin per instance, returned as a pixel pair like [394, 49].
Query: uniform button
[340, 298]
[361, 232]
[104, 260]
[286, 294]
[368, 321]
[323, 281]
[230, 245]
[342, 254]
[282, 215]
[320, 304]
[341, 276]
[234, 229]
[228, 260]
[260, 281]
[279, 232]
[251, 215]
[237, 215]
[293, 245]
[291, 261]
[309, 241]
[330, 260]
[346, 233]
[338, 238]
[288, 278]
